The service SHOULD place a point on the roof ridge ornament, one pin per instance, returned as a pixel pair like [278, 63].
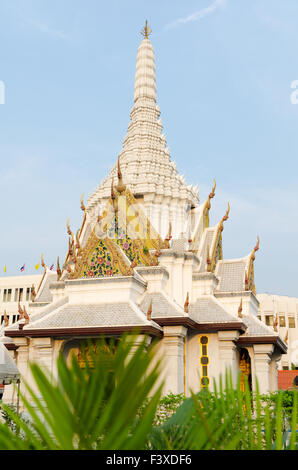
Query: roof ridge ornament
[146, 31]
[120, 186]
[240, 309]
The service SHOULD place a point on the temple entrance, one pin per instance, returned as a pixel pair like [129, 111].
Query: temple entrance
[245, 369]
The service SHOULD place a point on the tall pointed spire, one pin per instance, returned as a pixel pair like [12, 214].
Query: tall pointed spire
[145, 82]
[146, 164]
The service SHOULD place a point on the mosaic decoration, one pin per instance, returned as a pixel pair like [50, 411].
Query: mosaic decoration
[204, 361]
[99, 258]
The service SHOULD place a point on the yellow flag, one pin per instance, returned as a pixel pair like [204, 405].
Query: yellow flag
[5, 269]
[37, 266]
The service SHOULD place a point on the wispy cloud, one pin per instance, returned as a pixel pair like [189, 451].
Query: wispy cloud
[197, 15]
[43, 28]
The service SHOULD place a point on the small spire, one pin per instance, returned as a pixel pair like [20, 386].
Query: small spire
[149, 312]
[146, 31]
[186, 305]
[212, 194]
[68, 228]
[58, 270]
[120, 186]
[82, 203]
[275, 324]
[26, 316]
[20, 310]
[33, 293]
[240, 310]
[6, 319]
[208, 260]
[42, 262]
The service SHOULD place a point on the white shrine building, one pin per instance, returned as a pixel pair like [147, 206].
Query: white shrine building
[146, 259]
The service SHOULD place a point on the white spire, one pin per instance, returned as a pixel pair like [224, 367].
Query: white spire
[145, 158]
[145, 83]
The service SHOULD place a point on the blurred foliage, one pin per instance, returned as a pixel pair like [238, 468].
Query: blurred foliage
[110, 399]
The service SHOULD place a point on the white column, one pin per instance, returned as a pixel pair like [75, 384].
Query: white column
[174, 360]
[262, 358]
[227, 353]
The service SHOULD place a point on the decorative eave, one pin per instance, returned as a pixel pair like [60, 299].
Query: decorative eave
[84, 332]
[200, 327]
[274, 339]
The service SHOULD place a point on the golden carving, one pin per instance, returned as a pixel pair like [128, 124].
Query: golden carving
[146, 31]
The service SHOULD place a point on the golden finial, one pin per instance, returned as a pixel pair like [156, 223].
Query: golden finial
[6, 319]
[112, 189]
[82, 203]
[208, 260]
[68, 228]
[120, 186]
[246, 281]
[286, 337]
[26, 316]
[212, 194]
[42, 262]
[275, 324]
[149, 312]
[169, 236]
[240, 310]
[33, 293]
[146, 31]
[186, 305]
[59, 273]
[20, 310]
[226, 216]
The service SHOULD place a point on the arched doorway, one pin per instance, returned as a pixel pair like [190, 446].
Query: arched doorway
[245, 369]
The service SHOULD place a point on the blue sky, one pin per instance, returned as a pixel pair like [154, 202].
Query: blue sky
[224, 74]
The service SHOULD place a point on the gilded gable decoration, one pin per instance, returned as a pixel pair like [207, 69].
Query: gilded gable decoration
[249, 275]
[208, 207]
[216, 253]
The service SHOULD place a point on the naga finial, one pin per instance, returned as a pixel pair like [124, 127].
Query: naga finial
[208, 260]
[26, 316]
[59, 273]
[6, 319]
[240, 310]
[42, 262]
[186, 305]
[112, 190]
[146, 31]
[275, 324]
[68, 228]
[226, 216]
[212, 194]
[120, 186]
[286, 337]
[149, 312]
[82, 203]
[256, 248]
[33, 293]
[20, 310]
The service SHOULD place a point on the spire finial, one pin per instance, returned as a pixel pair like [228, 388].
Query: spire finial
[146, 31]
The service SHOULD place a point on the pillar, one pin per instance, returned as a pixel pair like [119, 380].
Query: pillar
[262, 359]
[227, 353]
[174, 360]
